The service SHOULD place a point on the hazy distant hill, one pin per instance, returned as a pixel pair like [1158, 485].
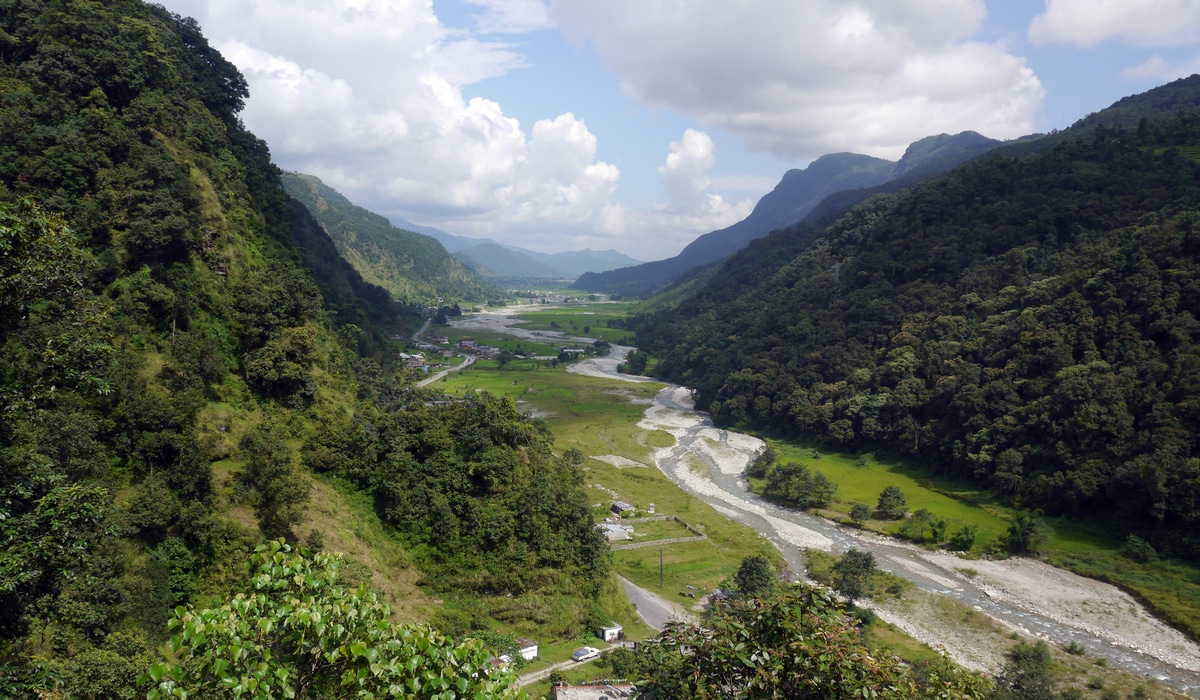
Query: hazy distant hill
[449, 241]
[493, 260]
[412, 266]
[577, 262]
[796, 195]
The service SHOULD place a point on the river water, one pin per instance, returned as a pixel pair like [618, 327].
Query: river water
[708, 462]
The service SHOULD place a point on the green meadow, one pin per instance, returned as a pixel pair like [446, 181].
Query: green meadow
[1171, 590]
[960, 505]
[599, 417]
[590, 319]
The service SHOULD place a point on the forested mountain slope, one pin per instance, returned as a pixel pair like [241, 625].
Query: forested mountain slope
[796, 195]
[1028, 323]
[414, 267]
[183, 353]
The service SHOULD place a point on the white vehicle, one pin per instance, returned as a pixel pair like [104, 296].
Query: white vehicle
[585, 654]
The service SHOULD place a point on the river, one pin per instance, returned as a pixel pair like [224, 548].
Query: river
[1024, 595]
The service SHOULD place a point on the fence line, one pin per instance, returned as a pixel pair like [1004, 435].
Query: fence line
[697, 535]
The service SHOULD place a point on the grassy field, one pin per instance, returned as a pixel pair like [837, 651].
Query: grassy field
[959, 504]
[1170, 589]
[599, 417]
[589, 320]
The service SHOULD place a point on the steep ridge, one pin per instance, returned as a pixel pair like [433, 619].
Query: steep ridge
[1024, 322]
[185, 360]
[796, 195]
[414, 267]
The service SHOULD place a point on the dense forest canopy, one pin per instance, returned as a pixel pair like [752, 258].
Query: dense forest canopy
[1026, 322]
[165, 307]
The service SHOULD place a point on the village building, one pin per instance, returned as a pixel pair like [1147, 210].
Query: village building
[616, 533]
[611, 633]
[527, 648]
[605, 691]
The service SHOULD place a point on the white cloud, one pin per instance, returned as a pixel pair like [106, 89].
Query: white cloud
[561, 152]
[1153, 67]
[808, 77]
[1147, 23]
[367, 95]
[691, 209]
[685, 174]
[511, 16]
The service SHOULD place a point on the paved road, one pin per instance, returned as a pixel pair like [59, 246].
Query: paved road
[418, 334]
[656, 610]
[465, 363]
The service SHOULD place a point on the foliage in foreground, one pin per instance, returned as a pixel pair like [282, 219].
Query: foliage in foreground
[797, 644]
[297, 632]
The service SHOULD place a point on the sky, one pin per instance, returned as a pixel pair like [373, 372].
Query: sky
[638, 125]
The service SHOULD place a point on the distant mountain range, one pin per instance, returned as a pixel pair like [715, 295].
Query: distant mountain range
[491, 258]
[797, 195]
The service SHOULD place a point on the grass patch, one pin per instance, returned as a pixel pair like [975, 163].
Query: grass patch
[658, 530]
[575, 318]
[599, 417]
[959, 504]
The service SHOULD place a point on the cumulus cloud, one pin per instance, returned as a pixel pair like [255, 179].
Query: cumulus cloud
[1146, 23]
[367, 95]
[691, 208]
[809, 77]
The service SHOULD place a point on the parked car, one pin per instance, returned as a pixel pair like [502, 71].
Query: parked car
[585, 654]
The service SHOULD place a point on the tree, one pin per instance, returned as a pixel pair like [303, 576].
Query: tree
[796, 643]
[795, 483]
[294, 631]
[1026, 674]
[852, 574]
[963, 539]
[891, 503]
[1027, 532]
[755, 576]
[860, 512]
[914, 527]
[762, 463]
[937, 528]
[275, 486]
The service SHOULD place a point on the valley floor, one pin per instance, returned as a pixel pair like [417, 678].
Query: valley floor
[974, 610]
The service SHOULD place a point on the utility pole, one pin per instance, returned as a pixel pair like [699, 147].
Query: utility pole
[660, 578]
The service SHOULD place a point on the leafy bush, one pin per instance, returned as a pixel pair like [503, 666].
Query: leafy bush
[1138, 550]
[963, 539]
[295, 631]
